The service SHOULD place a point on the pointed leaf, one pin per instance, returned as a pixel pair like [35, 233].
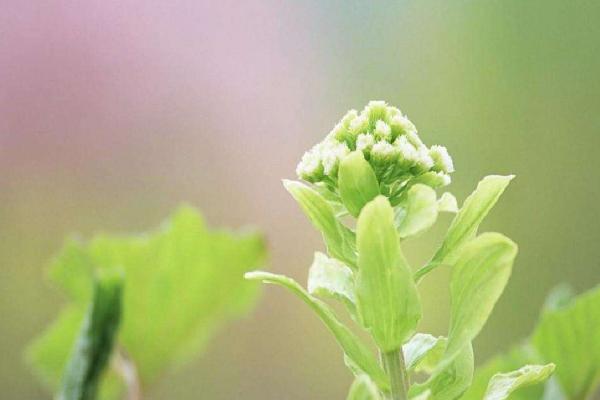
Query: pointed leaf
[420, 210]
[363, 388]
[502, 385]
[478, 279]
[464, 226]
[328, 277]
[357, 182]
[387, 297]
[95, 342]
[352, 346]
[570, 337]
[340, 240]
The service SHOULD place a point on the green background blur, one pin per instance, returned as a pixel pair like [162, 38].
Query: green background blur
[114, 112]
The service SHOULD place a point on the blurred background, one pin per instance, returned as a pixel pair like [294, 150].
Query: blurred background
[112, 113]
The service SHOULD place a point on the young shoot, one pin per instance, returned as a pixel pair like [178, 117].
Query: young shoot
[373, 166]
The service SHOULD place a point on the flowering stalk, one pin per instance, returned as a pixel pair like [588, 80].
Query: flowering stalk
[373, 166]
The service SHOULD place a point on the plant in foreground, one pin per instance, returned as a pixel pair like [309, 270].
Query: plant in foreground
[171, 290]
[373, 166]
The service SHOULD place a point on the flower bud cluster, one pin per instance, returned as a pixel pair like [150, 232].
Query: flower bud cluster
[388, 141]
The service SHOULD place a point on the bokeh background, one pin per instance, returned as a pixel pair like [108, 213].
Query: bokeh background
[114, 112]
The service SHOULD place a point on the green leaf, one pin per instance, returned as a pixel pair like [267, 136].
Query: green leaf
[357, 182]
[570, 337]
[447, 203]
[450, 379]
[417, 212]
[423, 348]
[330, 278]
[359, 355]
[183, 282]
[465, 224]
[387, 298]
[478, 279]
[96, 340]
[511, 360]
[340, 240]
[503, 384]
[363, 388]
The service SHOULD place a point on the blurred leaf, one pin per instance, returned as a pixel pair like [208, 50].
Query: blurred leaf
[478, 279]
[465, 224]
[559, 297]
[357, 182]
[359, 355]
[96, 340]
[503, 384]
[450, 379]
[182, 282]
[570, 338]
[386, 294]
[340, 240]
[363, 388]
[417, 212]
[423, 348]
[328, 277]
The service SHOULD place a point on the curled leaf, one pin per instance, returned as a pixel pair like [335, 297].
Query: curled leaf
[503, 384]
[327, 277]
[423, 348]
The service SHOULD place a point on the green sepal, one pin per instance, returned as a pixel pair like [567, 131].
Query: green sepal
[417, 211]
[357, 182]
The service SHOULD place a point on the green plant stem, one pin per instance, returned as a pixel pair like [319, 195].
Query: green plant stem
[393, 363]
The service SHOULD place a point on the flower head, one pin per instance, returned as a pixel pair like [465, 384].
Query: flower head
[388, 141]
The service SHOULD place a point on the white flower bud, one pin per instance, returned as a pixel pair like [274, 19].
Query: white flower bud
[365, 143]
[310, 166]
[382, 130]
[384, 152]
[408, 152]
[331, 153]
[424, 160]
[359, 125]
[441, 158]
